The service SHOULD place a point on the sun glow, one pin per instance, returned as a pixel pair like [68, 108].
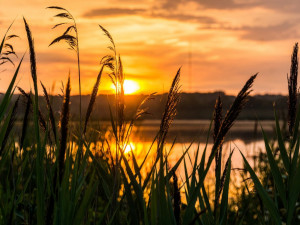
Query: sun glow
[129, 147]
[130, 87]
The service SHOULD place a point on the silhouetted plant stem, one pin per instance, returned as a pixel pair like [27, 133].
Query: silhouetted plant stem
[292, 86]
[25, 119]
[74, 45]
[176, 198]
[79, 85]
[40, 155]
[92, 100]
[64, 130]
[218, 156]
[11, 122]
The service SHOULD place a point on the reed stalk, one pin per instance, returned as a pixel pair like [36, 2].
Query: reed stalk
[292, 87]
[40, 156]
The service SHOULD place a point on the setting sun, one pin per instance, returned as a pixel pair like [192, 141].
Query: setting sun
[129, 147]
[130, 87]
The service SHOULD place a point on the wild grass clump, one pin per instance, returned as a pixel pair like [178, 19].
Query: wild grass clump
[70, 36]
[281, 206]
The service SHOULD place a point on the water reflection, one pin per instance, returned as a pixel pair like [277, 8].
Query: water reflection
[244, 136]
[197, 130]
[175, 151]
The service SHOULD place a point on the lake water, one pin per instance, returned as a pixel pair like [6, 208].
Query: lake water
[244, 136]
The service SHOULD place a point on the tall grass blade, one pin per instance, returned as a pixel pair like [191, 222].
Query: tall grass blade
[275, 171]
[10, 125]
[25, 120]
[64, 120]
[51, 113]
[292, 86]
[4, 128]
[269, 204]
[228, 121]
[39, 160]
[282, 149]
[133, 210]
[296, 130]
[218, 154]
[177, 164]
[225, 187]
[294, 191]
[295, 159]
[176, 199]
[85, 203]
[137, 188]
[6, 99]
[169, 111]
[4, 37]
[93, 99]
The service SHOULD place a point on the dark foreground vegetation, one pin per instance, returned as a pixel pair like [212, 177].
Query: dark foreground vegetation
[59, 176]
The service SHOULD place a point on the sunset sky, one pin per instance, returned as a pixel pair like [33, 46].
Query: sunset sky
[218, 43]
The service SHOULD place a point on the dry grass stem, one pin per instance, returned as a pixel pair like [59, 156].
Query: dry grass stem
[292, 86]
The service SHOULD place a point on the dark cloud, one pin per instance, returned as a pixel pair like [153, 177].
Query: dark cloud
[113, 12]
[184, 17]
[283, 31]
[154, 14]
[278, 5]
[215, 4]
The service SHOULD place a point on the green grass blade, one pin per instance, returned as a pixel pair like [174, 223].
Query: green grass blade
[224, 201]
[269, 204]
[193, 180]
[136, 167]
[207, 204]
[102, 217]
[102, 174]
[4, 128]
[186, 176]
[174, 168]
[6, 99]
[113, 123]
[153, 200]
[275, 171]
[87, 198]
[39, 160]
[294, 191]
[4, 37]
[296, 128]
[137, 188]
[295, 159]
[133, 210]
[2, 43]
[170, 205]
[282, 149]
[195, 190]
[204, 217]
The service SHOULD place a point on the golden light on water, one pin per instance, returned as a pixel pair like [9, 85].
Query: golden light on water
[129, 147]
[130, 87]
